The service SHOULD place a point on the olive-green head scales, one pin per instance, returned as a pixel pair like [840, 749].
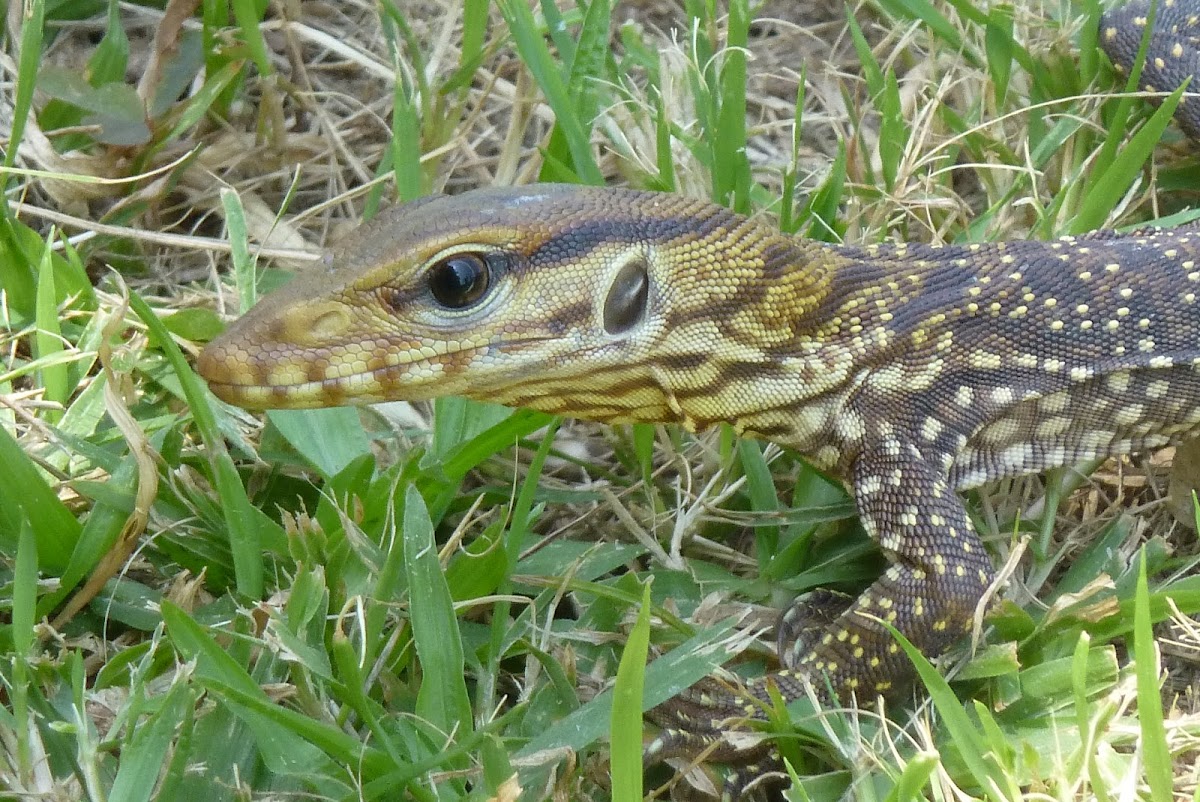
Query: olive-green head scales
[596, 303]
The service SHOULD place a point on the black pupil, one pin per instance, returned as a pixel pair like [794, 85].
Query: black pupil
[459, 281]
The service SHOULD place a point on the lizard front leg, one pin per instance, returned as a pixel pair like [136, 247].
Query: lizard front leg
[939, 571]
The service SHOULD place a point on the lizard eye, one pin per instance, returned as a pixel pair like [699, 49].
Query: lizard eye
[460, 280]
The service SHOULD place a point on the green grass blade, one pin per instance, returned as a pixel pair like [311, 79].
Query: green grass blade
[1156, 755]
[823, 206]
[975, 749]
[760, 485]
[111, 57]
[410, 103]
[288, 740]
[514, 539]
[1119, 121]
[457, 421]
[788, 222]
[731, 167]
[98, 534]
[442, 699]
[913, 781]
[937, 22]
[465, 456]
[893, 129]
[241, 519]
[475, 25]
[244, 262]
[548, 75]
[1083, 719]
[355, 695]
[556, 29]
[684, 665]
[202, 102]
[24, 592]
[143, 756]
[667, 180]
[872, 73]
[49, 339]
[406, 141]
[998, 48]
[248, 15]
[1106, 188]
[330, 439]
[23, 489]
[625, 733]
[31, 26]
[589, 61]
[1089, 36]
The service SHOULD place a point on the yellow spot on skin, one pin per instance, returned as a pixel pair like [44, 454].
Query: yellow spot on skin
[986, 360]
[1126, 416]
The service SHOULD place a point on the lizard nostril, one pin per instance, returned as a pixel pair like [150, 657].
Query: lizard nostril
[625, 306]
[329, 323]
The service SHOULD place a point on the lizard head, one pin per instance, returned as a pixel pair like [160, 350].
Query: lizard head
[549, 296]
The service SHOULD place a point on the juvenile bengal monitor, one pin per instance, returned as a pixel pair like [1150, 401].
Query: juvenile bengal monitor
[914, 371]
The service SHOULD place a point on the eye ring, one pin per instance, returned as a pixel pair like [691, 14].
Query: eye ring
[460, 280]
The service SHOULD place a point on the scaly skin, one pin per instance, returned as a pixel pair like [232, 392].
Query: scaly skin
[913, 371]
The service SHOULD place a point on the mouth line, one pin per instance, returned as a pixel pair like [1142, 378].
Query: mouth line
[379, 374]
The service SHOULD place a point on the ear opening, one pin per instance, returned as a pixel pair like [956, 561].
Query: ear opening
[627, 302]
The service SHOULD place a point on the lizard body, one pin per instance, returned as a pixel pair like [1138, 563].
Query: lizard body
[913, 371]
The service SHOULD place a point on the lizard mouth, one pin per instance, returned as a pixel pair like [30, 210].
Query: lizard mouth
[282, 386]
